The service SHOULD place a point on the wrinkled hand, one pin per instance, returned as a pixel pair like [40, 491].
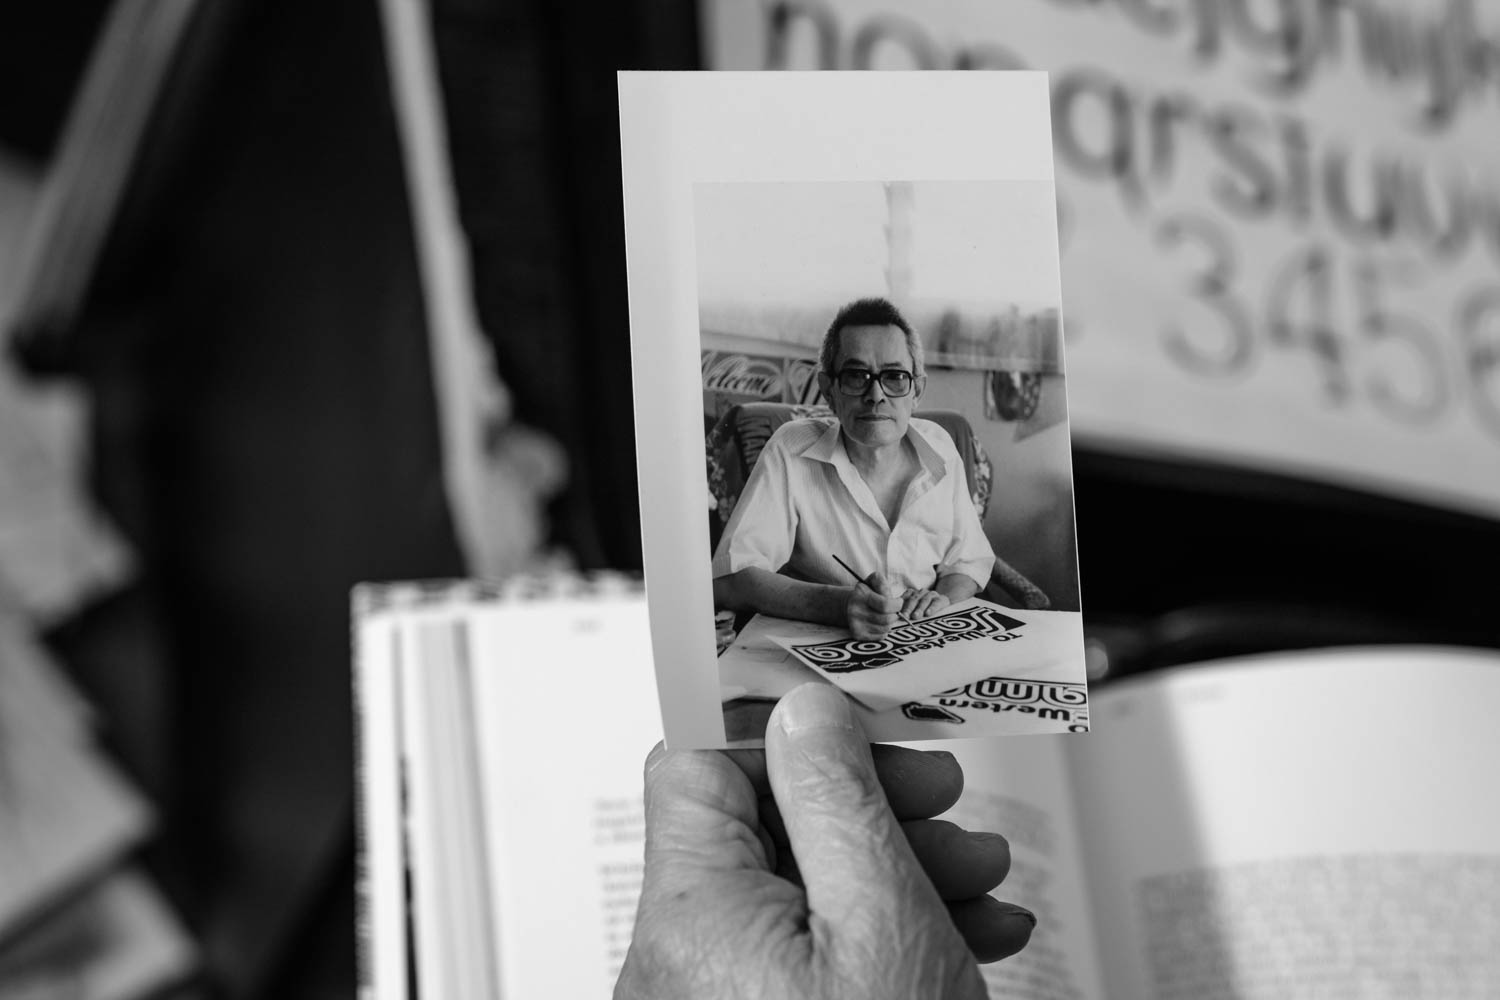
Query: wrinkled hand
[813, 870]
[923, 604]
[874, 604]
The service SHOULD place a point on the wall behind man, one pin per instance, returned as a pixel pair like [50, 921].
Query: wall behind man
[1029, 520]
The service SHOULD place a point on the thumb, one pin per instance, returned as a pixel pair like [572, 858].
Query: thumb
[696, 802]
[883, 585]
[857, 867]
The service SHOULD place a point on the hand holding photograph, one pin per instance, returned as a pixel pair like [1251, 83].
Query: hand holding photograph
[864, 268]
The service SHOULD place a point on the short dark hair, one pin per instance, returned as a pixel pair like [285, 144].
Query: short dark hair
[868, 312]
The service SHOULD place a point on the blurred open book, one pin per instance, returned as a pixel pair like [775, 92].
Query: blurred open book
[502, 731]
[1293, 825]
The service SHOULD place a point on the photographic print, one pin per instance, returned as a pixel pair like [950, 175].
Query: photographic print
[883, 474]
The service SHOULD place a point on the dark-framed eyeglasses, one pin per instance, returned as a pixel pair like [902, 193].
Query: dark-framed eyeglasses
[893, 381]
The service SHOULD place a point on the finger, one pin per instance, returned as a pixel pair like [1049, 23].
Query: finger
[701, 813]
[910, 602]
[961, 865]
[993, 930]
[918, 784]
[869, 617]
[841, 828]
[877, 606]
[931, 605]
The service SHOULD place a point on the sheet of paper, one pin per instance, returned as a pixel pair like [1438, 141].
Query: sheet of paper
[994, 706]
[1044, 694]
[969, 642]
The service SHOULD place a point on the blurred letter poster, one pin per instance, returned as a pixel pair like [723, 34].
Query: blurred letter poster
[1280, 222]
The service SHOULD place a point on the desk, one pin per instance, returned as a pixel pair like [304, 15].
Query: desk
[1038, 686]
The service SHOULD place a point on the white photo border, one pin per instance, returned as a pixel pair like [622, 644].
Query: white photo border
[681, 129]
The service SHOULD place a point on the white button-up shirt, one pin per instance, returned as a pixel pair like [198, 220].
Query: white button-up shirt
[805, 503]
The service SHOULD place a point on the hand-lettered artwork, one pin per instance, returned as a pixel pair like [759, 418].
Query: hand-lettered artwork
[914, 661]
[1046, 701]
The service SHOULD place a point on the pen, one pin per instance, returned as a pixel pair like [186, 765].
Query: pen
[860, 579]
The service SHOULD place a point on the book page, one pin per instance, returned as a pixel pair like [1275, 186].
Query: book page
[1019, 787]
[381, 882]
[565, 699]
[1308, 824]
[448, 848]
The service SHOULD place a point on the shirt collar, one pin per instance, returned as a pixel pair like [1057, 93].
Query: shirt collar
[829, 447]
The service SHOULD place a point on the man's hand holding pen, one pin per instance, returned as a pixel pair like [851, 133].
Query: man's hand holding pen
[874, 607]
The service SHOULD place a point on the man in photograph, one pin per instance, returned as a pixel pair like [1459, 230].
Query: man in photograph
[865, 521]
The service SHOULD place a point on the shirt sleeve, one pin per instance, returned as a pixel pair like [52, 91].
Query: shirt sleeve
[969, 551]
[763, 528]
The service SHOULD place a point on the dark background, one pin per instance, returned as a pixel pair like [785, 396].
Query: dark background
[266, 434]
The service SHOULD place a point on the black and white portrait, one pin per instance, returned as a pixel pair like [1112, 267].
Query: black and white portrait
[877, 489]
